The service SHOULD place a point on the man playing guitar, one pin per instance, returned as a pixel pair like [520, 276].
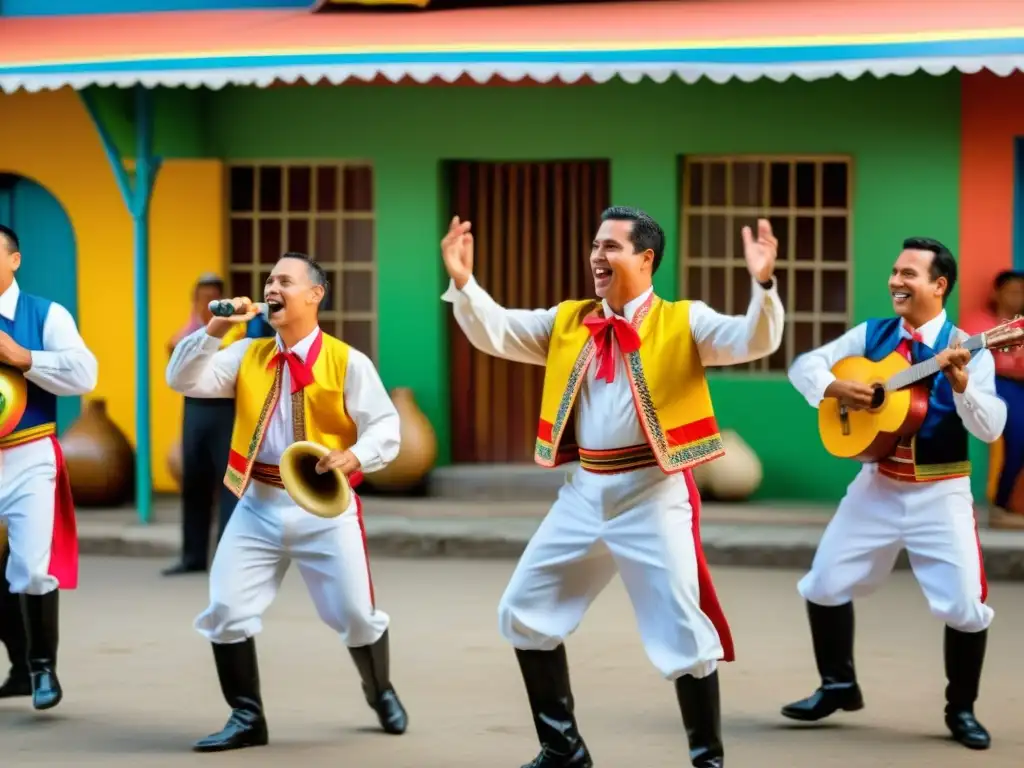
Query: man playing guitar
[918, 498]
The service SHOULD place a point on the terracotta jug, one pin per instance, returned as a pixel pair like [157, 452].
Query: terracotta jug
[174, 462]
[733, 477]
[101, 462]
[418, 452]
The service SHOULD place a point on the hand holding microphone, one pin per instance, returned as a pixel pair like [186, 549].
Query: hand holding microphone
[229, 312]
[237, 306]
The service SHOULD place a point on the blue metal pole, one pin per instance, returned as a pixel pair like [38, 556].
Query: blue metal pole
[140, 213]
[137, 193]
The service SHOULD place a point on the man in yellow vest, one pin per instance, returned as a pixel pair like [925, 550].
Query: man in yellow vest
[303, 384]
[625, 395]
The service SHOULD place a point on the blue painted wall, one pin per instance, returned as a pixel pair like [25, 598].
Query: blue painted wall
[80, 7]
[48, 258]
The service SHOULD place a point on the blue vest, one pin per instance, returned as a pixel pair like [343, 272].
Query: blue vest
[942, 438]
[259, 328]
[27, 330]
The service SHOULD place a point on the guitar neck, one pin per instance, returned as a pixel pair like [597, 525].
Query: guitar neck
[920, 371]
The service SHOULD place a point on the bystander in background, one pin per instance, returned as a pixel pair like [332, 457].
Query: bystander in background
[206, 441]
[1006, 463]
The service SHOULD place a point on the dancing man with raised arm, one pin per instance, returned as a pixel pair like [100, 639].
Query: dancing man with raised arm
[302, 384]
[625, 393]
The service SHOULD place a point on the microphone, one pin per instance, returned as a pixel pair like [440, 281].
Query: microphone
[226, 308]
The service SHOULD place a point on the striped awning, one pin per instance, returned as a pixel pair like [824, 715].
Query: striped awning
[689, 39]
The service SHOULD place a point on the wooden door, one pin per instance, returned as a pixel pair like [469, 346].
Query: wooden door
[533, 224]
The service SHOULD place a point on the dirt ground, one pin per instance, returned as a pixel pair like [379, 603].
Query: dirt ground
[140, 684]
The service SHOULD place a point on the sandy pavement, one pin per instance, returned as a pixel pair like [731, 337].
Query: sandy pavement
[140, 684]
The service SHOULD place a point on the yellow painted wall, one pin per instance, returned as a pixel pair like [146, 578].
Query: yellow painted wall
[49, 138]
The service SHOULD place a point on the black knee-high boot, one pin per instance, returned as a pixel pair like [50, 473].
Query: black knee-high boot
[374, 665]
[41, 614]
[700, 705]
[964, 656]
[238, 672]
[12, 635]
[832, 635]
[546, 675]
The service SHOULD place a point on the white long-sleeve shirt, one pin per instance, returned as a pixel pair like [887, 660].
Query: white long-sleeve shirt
[64, 366]
[199, 368]
[606, 416]
[982, 411]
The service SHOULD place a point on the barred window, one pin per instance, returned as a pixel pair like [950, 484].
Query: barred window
[324, 209]
[807, 200]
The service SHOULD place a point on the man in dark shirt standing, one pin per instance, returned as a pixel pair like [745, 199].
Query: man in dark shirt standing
[205, 443]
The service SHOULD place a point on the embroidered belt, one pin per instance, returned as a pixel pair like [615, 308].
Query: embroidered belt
[616, 460]
[29, 435]
[268, 474]
[901, 466]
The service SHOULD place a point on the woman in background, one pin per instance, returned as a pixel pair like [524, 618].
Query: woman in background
[1006, 462]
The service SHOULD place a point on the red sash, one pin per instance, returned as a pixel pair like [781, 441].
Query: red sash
[709, 604]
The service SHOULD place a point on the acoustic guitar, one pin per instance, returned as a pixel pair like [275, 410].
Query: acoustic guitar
[900, 401]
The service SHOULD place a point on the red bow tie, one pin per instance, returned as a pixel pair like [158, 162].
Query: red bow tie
[603, 329]
[301, 374]
[914, 335]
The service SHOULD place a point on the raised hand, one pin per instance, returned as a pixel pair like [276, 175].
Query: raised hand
[457, 252]
[760, 253]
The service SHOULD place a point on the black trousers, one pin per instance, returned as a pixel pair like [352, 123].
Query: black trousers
[205, 443]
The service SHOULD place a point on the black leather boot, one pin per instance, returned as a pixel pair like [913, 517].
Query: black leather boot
[239, 676]
[41, 614]
[12, 635]
[832, 634]
[965, 654]
[374, 665]
[546, 675]
[700, 704]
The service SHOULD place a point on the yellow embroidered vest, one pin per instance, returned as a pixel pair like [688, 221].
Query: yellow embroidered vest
[235, 333]
[318, 410]
[666, 375]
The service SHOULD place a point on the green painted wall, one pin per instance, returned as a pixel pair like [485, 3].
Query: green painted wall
[902, 132]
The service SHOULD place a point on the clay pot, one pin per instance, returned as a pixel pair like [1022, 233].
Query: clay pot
[733, 477]
[174, 462]
[101, 462]
[418, 452]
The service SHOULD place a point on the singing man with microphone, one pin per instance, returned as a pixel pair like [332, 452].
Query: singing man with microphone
[303, 384]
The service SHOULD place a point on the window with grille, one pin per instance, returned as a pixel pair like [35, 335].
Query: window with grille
[322, 209]
[807, 200]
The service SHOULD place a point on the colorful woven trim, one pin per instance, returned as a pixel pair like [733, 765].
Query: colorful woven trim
[29, 435]
[268, 474]
[616, 460]
[237, 476]
[902, 466]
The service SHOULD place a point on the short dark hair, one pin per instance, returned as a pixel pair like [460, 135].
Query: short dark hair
[645, 233]
[943, 264]
[1006, 276]
[11, 237]
[317, 274]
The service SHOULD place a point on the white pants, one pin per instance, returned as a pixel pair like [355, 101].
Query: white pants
[28, 481]
[638, 523]
[266, 532]
[876, 519]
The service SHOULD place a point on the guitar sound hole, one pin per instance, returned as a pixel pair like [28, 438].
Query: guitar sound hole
[878, 397]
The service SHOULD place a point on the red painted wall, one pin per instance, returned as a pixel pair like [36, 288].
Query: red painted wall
[992, 117]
